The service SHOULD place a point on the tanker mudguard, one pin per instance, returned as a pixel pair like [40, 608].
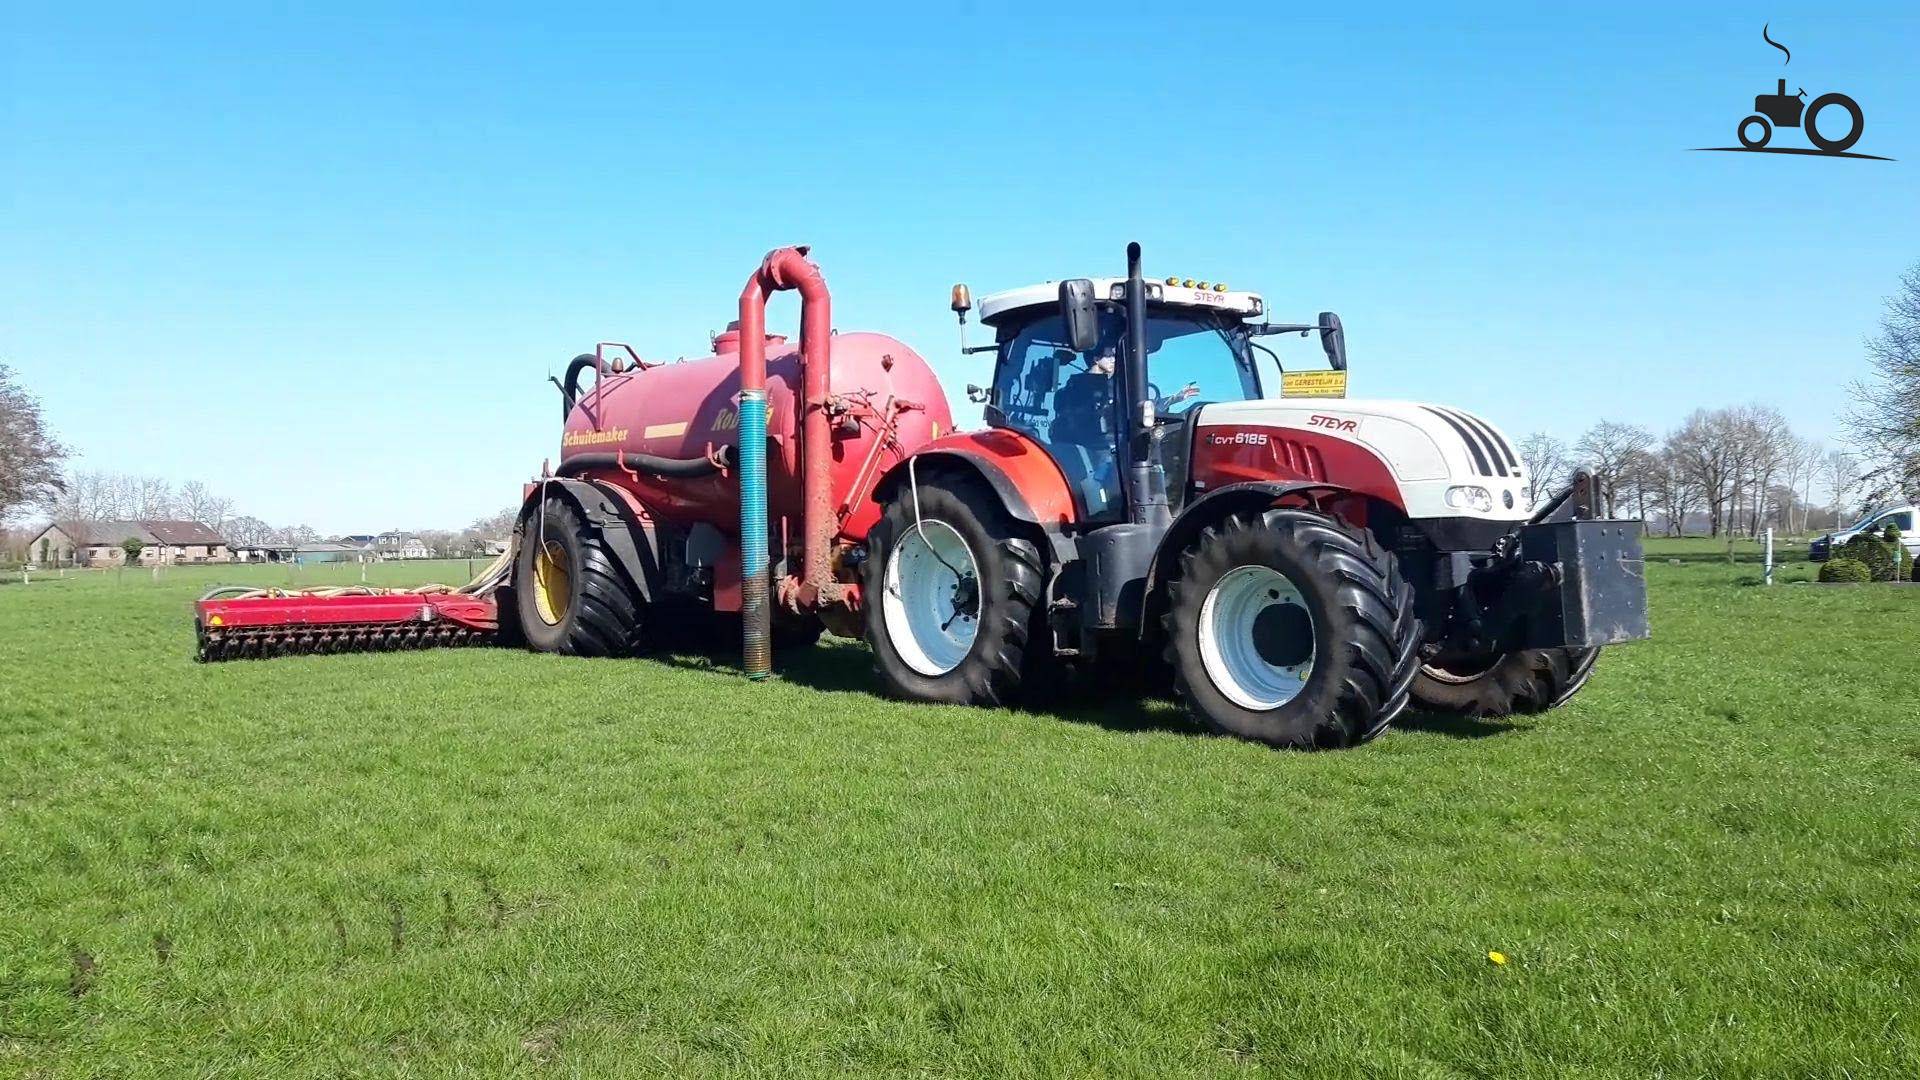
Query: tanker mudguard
[629, 532]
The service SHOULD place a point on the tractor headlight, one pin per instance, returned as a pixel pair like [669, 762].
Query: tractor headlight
[1470, 498]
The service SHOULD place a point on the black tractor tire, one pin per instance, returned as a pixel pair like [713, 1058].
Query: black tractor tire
[1360, 616]
[1008, 587]
[1845, 142]
[1525, 681]
[1766, 132]
[595, 612]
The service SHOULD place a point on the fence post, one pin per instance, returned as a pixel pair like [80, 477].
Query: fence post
[1769, 554]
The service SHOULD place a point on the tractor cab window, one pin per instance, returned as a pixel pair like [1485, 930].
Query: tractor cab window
[1191, 362]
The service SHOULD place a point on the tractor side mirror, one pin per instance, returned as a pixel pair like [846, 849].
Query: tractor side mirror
[1077, 312]
[1333, 340]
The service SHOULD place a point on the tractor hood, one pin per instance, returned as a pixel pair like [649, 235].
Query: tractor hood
[1427, 449]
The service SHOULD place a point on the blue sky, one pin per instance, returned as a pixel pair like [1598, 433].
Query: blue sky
[273, 252]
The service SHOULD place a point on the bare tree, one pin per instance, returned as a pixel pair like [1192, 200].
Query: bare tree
[152, 498]
[1766, 444]
[1841, 471]
[1606, 449]
[29, 456]
[1643, 482]
[498, 525]
[194, 501]
[1671, 488]
[1803, 463]
[248, 532]
[1703, 452]
[89, 496]
[1544, 456]
[1885, 419]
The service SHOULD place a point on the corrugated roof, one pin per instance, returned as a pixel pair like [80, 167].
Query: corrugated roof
[150, 532]
[182, 532]
[105, 532]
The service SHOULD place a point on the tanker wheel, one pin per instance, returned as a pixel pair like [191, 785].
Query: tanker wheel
[570, 596]
[1524, 681]
[1293, 629]
[950, 596]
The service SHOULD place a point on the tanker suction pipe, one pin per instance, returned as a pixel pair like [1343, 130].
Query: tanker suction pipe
[783, 268]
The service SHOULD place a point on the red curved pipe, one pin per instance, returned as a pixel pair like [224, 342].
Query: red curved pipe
[788, 268]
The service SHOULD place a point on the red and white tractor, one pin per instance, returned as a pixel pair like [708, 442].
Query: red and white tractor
[1305, 566]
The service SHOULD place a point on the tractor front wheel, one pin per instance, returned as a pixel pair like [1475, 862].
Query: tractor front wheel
[1292, 628]
[568, 593]
[951, 585]
[1523, 681]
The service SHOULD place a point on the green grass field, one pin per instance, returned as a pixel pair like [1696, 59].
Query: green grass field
[494, 862]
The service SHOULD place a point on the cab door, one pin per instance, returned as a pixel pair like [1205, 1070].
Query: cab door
[1064, 400]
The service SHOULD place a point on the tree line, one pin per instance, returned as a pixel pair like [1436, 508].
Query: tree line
[1737, 470]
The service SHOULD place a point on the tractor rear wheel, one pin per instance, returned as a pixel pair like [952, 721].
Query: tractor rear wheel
[1292, 628]
[1523, 681]
[951, 585]
[570, 596]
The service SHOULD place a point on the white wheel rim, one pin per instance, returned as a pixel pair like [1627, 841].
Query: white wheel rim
[932, 613]
[1256, 638]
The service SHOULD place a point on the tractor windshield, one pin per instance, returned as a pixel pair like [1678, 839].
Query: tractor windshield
[1190, 361]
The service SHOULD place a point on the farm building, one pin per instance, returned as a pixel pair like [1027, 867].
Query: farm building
[103, 543]
[325, 552]
[387, 545]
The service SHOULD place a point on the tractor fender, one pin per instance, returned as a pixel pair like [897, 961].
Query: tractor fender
[622, 520]
[1210, 509]
[1034, 495]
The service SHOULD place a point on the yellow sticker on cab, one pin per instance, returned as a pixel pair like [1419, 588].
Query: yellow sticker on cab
[1313, 384]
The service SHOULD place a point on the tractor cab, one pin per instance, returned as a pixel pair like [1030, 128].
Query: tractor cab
[1063, 394]
[1058, 373]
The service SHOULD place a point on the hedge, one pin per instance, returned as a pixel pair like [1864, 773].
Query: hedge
[1876, 556]
[1851, 571]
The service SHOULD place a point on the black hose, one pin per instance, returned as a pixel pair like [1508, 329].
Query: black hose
[570, 386]
[677, 468]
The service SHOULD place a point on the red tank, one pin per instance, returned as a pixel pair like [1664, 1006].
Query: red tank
[689, 409]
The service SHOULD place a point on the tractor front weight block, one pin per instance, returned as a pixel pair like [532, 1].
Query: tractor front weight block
[1562, 585]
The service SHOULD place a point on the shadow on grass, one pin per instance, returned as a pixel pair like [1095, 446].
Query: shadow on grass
[847, 667]
[1086, 698]
[1456, 727]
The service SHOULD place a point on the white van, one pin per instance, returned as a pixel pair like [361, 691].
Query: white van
[1873, 524]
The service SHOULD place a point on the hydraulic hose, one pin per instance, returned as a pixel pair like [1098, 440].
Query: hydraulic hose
[676, 468]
